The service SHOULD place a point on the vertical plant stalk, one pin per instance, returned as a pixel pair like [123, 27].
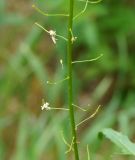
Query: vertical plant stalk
[69, 57]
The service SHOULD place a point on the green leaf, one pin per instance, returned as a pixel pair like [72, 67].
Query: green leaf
[119, 140]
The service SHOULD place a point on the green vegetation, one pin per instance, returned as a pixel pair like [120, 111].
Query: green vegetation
[29, 59]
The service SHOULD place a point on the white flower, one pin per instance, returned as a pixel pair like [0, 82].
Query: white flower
[61, 62]
[45, 106]
[53, 36]
[73, 39]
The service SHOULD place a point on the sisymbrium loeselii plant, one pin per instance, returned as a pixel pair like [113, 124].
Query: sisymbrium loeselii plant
[70, 40]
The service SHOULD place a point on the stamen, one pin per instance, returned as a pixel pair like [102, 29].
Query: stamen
[62, 37]
[69, 145]
[88, 60]
[46, 14]
[64, 109]
[91, 116]
[41, 27]
[92, 2]
[48, 82]
[79, 107]
[70, 148]
[80, 13]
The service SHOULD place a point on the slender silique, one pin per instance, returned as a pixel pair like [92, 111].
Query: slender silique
[69, 57]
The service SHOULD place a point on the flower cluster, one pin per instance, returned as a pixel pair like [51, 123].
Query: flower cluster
[45, 106]
[53, 35]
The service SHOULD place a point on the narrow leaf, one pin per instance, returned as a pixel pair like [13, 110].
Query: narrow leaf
[120, 140]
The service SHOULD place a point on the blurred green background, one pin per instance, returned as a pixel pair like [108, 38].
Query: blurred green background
[28, 58]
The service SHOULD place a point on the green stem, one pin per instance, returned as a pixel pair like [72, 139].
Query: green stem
[70, 101]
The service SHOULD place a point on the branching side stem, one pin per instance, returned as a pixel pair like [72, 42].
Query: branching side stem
[69, 58]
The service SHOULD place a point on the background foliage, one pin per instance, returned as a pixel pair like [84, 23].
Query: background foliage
[28, 58]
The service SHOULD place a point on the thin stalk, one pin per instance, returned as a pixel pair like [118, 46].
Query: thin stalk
[69, 57]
